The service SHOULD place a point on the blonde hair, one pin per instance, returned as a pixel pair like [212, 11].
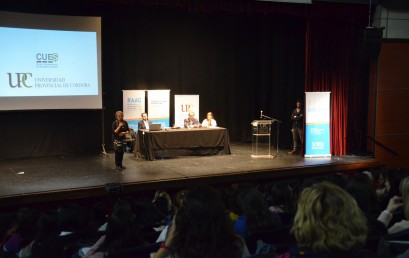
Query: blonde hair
[117, 113]
[404, 190]
[328, 219]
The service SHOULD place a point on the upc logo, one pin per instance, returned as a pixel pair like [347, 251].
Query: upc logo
[185, 108]
[21, 80]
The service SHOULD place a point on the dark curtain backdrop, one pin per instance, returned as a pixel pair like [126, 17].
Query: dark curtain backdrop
[240, 58]
[238, 64]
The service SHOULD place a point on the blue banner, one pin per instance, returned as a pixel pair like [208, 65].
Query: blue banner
[163, 122]
[317, 140]
[317, 124]
[133, 124]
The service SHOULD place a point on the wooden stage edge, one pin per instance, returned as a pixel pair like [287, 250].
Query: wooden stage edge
[297, 169]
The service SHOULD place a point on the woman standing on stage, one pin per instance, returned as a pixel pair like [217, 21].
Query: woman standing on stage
[119, 130]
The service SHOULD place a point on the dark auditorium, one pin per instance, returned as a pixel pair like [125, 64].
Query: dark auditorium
[204, 128]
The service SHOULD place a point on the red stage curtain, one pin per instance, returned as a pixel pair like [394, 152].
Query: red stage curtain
[331, 61]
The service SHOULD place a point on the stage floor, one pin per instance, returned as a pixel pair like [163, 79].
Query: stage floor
[34, 180]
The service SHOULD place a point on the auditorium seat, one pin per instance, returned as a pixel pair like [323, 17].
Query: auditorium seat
[73, 242]
[279, 237]
[150, 237]
[392, 245]
[140, 252]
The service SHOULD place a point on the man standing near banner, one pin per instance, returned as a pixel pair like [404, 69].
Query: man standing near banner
[191, 121]
[144, 123]
[119, 129]
[298, 126]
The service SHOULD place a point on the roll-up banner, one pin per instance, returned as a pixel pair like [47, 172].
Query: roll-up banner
[317, 124]
[133, 106]
[183, 105]
[159, 106]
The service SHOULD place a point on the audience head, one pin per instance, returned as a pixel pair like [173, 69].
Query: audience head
[281, 195]
[179, 199]
[48, 226]
[25, 224]
[71, 218]
[361, 188]
[254, 206]
[148, 215]
[203, 229]
[121, 231]
[6, 222]
[99, 214]
[163, 202]
[328, 220]
[404, 189]
[233, 195]
[395, 177]
[46, 242]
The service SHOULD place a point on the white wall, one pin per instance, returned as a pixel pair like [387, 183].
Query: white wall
[396, 22]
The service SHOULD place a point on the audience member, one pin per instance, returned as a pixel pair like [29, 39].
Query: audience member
[71, 218]
[229, 197]
[46, 242]
[121, 232]
[361, 188]
[22, 232]
[395, 203]
[178, 200]
[148, 216]
[328, 223]
[163, 203]
[99, 216]
[201, 228]
[282, 202]
[6, 224]
[255, 214]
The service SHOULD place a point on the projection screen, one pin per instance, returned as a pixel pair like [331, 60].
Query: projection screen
[49, 62]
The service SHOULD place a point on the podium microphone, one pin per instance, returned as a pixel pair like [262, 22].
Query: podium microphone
[261, 114]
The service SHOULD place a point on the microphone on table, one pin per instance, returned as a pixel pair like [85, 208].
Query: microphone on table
[261, 114]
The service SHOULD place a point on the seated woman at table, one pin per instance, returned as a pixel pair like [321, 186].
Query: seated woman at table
[209, 121]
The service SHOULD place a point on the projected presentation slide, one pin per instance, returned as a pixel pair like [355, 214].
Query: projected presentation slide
[47, 63]
[50, 62]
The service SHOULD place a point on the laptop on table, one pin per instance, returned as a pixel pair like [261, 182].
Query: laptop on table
[154, 127]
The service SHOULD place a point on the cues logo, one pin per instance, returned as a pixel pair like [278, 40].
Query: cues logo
[47, 60]
[19, 80]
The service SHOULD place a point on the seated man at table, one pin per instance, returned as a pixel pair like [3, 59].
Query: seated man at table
[144, 123]
[191, 121]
